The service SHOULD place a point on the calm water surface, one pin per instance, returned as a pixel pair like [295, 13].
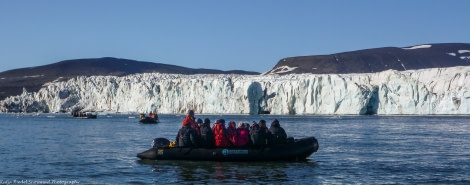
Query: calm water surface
[58, 149]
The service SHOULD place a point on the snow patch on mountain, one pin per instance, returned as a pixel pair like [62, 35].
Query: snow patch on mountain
[281, 69]
[464, 51]
[419, 46]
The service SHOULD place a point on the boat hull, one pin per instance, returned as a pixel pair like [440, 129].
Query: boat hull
[297, 150]
[86, 117]
[148, 120]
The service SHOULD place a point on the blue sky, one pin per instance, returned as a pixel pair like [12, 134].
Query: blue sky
[226, 35]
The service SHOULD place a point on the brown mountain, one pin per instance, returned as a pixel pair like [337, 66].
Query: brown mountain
[378, 59]
[13, 81]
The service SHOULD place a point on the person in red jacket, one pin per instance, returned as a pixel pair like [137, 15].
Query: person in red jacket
[192, 120]
[221, 134]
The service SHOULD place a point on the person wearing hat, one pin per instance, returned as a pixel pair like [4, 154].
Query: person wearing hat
[192, 120]
[261, 136]
[186, 136]
[253, 128]
[199, 122]
[207, 136]
[278, 134]
[243, 134]
[232, 131]
[221, 134]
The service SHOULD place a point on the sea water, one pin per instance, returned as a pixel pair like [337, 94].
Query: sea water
[60, 149]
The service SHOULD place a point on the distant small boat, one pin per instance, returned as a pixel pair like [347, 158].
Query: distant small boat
[84, 115]
[148, 120]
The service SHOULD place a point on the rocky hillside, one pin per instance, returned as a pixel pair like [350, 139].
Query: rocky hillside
[12, 82]
[378, 59]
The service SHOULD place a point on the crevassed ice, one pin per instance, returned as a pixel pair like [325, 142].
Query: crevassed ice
[428, 91]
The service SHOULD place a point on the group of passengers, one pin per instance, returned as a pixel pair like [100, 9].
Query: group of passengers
[199, 133]
[150, 115]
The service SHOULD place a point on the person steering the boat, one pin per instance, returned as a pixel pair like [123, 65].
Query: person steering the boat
[279, 135]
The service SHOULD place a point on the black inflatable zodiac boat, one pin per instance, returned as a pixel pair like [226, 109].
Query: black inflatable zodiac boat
[294, 149]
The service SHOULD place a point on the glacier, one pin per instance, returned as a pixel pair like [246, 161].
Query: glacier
[412, 92]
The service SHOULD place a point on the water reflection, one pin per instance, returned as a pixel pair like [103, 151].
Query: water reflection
[228, 172]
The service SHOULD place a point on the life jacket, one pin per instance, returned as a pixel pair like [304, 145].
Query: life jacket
[193, 124]
[220, 136]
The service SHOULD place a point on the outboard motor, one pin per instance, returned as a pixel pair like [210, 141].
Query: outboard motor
[160, 143]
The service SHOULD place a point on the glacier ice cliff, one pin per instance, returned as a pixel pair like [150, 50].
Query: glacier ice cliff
[428, 91]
